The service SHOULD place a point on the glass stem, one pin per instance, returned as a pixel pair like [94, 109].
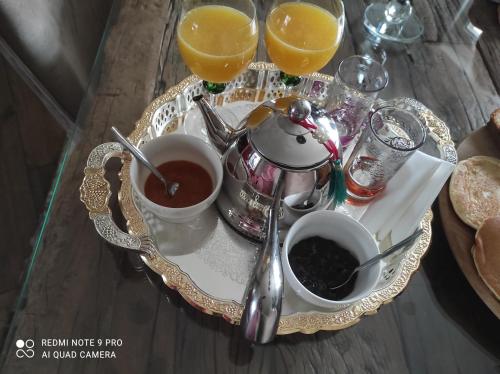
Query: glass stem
[289, 80]
[214, 88]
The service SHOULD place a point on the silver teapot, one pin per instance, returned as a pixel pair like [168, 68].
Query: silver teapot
[284, 161]
[282, 138]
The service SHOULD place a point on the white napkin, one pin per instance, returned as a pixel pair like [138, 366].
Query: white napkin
[407, 196]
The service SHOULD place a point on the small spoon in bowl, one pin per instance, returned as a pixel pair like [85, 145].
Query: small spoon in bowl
[170, 187]
[307, 203]
[405, 242]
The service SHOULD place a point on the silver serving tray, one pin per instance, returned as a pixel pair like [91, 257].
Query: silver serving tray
[206, 261]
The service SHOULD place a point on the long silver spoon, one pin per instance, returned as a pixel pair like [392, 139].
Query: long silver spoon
[264, 293]
[170, 187]
[405, 242]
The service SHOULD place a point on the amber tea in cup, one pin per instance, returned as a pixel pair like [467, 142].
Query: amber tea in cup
[392, 136]
[195, 181]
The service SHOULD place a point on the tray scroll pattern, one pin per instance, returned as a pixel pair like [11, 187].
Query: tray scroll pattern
[172, 106]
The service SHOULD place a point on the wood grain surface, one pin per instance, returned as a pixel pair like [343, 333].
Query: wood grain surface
[81, 287]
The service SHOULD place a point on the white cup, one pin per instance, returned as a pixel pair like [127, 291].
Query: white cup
[171, 148]
[349, 234]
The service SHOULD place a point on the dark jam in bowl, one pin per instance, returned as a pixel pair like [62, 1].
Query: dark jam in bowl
[320, 264]
[195, 184]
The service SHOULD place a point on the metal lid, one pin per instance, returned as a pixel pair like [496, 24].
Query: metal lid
[290, 133]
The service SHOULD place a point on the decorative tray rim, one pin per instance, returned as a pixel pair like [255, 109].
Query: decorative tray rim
[305, 322]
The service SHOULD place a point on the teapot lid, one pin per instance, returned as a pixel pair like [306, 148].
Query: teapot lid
[293, 134]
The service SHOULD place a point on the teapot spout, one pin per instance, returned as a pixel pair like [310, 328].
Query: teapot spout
[219, 132]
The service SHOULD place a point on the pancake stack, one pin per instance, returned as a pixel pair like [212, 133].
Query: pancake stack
[486, 254]
[475, 196]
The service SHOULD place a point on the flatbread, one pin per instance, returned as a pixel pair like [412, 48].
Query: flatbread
[494, 122]
[486, 254]
[475, 189]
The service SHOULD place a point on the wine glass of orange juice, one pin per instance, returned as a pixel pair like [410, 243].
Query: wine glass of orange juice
[303, 36]
[217, 39]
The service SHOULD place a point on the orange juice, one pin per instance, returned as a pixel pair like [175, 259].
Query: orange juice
[301, 38]
[217, 42]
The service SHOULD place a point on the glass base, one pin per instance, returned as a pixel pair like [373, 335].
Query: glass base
[353, 199]
[376, 23]
[214, 88]
[289, 80]
[360, 194]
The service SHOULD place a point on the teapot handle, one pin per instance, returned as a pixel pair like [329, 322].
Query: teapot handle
[260, 318]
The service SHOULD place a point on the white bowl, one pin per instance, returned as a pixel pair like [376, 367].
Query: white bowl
[170, 148]
[349, 234]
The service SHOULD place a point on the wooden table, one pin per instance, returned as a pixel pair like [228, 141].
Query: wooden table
[78, 287]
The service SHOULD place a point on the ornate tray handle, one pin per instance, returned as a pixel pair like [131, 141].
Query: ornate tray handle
[95, 192]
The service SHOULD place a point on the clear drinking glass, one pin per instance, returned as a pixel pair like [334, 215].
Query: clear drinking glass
[217, 39]
[303, 36]
[394, 21]
[392, 136]
[351, 95]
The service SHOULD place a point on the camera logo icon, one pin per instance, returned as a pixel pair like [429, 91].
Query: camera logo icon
[25, 348]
